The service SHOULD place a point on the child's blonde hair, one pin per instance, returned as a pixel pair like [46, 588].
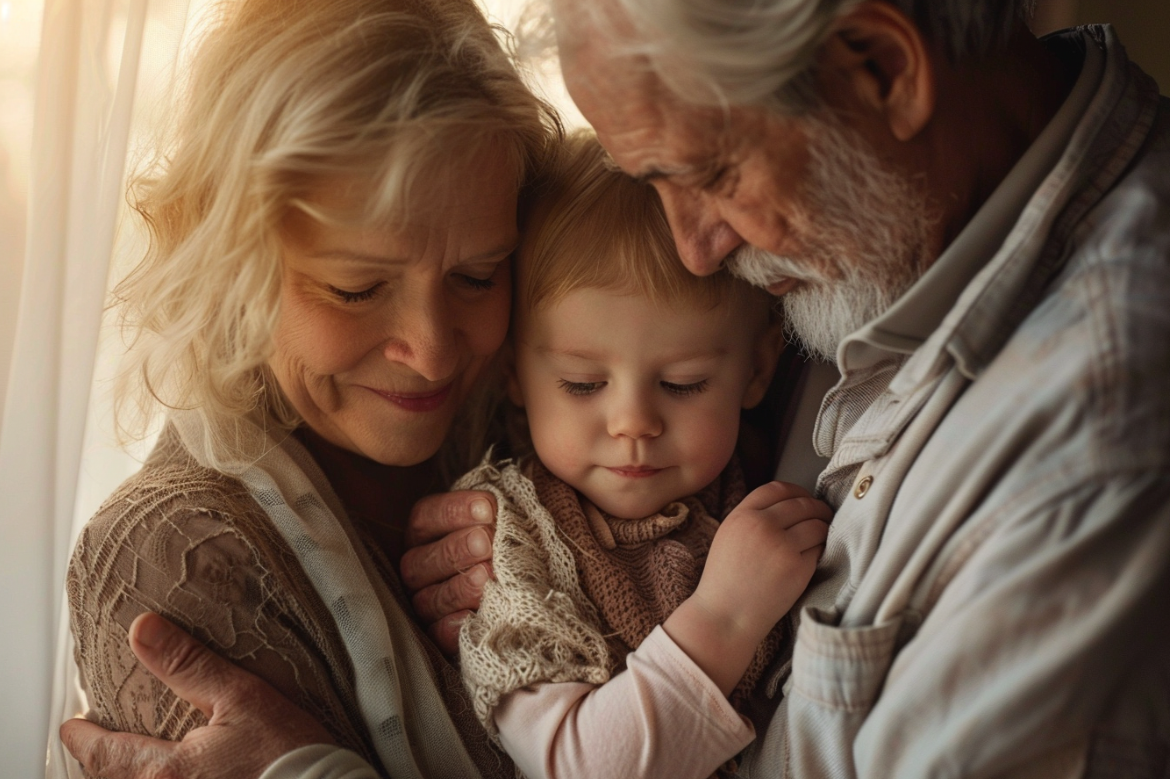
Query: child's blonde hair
[593, 227]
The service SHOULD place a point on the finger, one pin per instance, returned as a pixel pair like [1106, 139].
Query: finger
[445, 632]
[788, 513]
[191, 670]
[459, 593]
[808, 534]
[438, 515]
[115, 755]
[771, 493]
[439, 560]
[814, 553]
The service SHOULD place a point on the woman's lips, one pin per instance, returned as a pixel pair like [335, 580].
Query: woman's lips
[417, 401]
[635, 471]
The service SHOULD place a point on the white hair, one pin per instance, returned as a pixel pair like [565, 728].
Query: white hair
[863, 230]
[760, 52]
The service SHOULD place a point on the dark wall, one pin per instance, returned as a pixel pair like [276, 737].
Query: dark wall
[1144, 28]
[1143, 25]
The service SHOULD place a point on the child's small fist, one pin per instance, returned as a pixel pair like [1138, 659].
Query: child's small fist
[764, 555]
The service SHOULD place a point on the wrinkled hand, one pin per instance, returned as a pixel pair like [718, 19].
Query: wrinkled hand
[448, 560]
[251, 724]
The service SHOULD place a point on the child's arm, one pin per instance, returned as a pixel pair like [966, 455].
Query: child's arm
[661, 717]
[761, 559]
[667, 715]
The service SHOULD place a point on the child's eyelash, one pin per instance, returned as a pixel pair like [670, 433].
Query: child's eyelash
[356, 297]
[685, 389]
[580, 387]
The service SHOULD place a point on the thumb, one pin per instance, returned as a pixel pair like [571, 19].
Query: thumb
[191, 670]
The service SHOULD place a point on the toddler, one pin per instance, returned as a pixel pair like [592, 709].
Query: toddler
[624, 614]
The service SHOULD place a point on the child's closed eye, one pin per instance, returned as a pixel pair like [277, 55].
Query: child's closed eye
[580, 387]
[683, 390]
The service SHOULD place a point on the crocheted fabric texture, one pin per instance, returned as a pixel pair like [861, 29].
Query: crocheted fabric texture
[576, 590]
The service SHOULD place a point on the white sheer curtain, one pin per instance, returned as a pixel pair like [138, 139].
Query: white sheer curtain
[103, 65]
[107, 69]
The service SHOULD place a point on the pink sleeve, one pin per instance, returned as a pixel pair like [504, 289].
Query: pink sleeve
[661, 717]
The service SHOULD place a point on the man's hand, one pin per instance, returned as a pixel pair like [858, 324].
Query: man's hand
[251, 724]
[448, 560]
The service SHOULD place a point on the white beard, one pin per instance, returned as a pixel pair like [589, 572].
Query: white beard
[863, 228]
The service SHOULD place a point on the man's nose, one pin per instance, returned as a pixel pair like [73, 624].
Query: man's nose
[634, 416]
[701, 235]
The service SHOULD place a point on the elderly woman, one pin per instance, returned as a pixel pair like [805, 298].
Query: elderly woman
[326, 287]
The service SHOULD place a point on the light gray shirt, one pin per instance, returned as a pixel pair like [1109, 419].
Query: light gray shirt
[993, 597]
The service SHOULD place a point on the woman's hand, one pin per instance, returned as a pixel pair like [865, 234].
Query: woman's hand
[251, 724]
[448, 560]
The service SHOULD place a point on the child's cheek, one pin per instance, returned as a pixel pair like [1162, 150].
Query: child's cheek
[561, 449]
[712, 441]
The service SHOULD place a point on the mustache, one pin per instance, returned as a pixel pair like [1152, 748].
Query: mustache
[762, 268]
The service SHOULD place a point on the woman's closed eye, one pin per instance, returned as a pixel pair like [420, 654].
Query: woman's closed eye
[682, 390]
[580, 387]
[360, 296]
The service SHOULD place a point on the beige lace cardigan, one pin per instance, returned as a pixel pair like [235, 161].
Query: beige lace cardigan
[193, 544]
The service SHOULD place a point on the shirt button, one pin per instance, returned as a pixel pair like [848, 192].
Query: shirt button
[862, 488]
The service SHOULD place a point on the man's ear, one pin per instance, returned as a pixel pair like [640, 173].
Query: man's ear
[508, 365]
[886, 62]
[765, 354]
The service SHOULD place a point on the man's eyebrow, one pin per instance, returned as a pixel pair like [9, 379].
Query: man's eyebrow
[655, 174]
[651, 174]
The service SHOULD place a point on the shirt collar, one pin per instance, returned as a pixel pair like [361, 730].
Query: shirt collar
[910, 321]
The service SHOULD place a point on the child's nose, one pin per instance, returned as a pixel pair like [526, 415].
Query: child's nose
[635, 417]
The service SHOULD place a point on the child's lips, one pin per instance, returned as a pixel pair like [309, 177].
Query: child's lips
[635, 471]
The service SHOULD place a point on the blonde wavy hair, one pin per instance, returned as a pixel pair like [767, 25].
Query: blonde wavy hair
[283, 94]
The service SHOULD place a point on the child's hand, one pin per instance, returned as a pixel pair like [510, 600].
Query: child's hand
[761, 559]
[763, 556]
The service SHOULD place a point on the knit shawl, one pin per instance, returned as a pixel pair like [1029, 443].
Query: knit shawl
[575, 589]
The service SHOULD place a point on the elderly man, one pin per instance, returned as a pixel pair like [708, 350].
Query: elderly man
[971, 228]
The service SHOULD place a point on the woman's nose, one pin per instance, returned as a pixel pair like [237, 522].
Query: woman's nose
[634, 416]
[423, 338]
[701, 235]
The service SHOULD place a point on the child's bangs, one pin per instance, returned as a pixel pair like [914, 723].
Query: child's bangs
[604, 230]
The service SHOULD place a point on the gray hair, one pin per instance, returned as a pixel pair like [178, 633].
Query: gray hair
[761, 52]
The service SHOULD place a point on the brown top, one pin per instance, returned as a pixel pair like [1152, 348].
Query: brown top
[191, 544]
[636, 572]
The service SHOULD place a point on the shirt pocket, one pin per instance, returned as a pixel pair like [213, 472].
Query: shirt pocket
[837, 674]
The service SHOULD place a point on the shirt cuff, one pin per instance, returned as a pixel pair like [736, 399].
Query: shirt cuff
[320, 761]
